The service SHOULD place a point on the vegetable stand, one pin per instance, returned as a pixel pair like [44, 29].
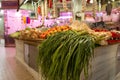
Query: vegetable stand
[68, 52]
[103, 66]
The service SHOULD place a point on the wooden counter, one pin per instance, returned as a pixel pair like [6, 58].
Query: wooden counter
[103, 64]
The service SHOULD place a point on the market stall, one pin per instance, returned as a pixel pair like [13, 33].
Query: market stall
[104, 62]
[74, 51]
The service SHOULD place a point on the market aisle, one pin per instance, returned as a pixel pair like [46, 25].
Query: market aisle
[10, 68]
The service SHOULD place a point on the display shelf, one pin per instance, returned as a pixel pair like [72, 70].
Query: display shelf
[103, 65]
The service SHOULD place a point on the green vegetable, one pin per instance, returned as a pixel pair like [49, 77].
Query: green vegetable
[15, 35]
[27, 28]
[65, 55]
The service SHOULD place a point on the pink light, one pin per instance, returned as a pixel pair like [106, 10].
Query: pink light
[64, 17]
[15, 22]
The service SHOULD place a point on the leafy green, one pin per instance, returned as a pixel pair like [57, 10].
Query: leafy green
[65, 55]
[15, 35]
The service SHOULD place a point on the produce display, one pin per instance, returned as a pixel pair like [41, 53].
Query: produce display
[66, 51]
[15, 35]
[79, 26]
[115, 35]
[54, 30]
[27, 34]
[100, 37]
[30, 34]
[70, 53]
[64, 55]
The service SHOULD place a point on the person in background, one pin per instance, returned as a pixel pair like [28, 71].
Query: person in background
[100, 24]
[109, 8]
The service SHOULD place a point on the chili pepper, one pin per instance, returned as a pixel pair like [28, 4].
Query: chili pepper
[88, 1]
[39, 10]
[60, 0]
[50, 3]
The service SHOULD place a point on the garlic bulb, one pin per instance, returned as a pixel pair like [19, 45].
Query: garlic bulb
[83, 5]
[65, 5]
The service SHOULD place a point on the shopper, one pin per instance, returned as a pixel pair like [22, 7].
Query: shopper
[109, 8]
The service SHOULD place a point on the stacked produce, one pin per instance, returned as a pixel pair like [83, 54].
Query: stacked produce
[79, 26]
[54, 30]
[30, 34]
[15, 34]
[27, 34]
[115, 35]
[100, 37]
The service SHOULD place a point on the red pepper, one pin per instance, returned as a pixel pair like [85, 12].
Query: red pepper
[113, 41]
[60, 0]
[50, 3]
[88, 1]
[39, 10]
[115, 35]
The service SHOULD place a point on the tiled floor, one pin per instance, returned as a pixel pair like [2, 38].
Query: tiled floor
[10, 68]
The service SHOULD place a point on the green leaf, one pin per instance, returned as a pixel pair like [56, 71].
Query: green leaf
[64, 55]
